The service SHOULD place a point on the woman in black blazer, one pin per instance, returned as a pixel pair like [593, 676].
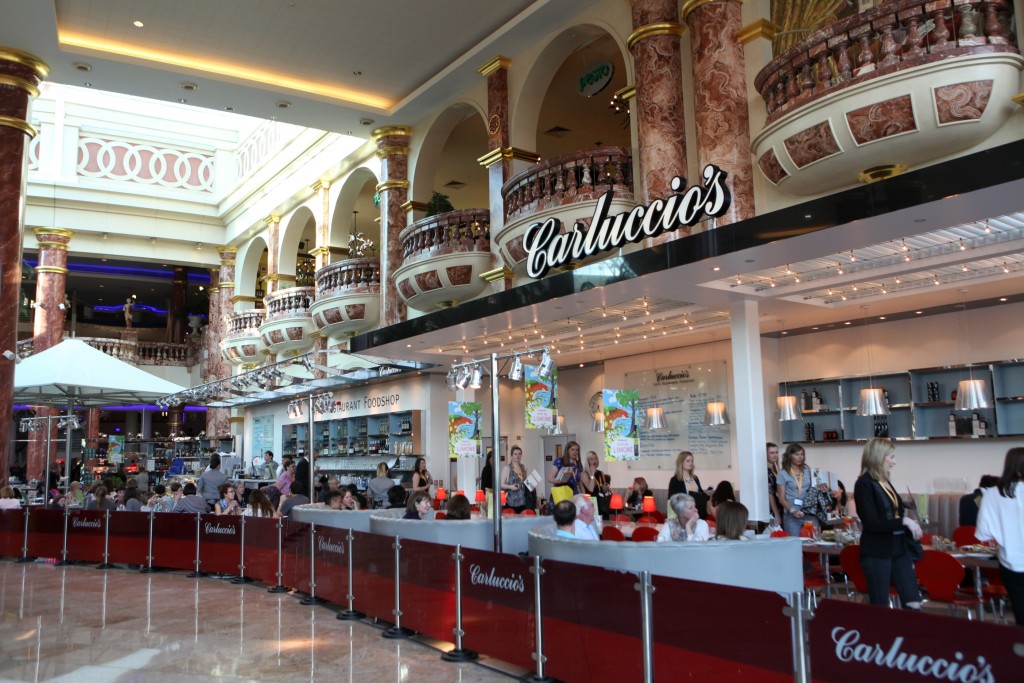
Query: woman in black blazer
[883, 546]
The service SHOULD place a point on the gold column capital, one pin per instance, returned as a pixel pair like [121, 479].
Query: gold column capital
[240, 298]
[384, 131]
[271, 219]
[320, 185]
[63, 232]
[23, 126]
[385, 150]
[626, 93]
[665, 28]
[393, 185]
[21, 83]
[410, 205]
[762, 28]
[499, 62]
[499, 153]
[52, 269]
[1018, 98]
[10, 54]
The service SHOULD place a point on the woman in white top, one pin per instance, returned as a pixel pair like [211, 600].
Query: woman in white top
[9, 499]
[687, 526]
[1001, 519]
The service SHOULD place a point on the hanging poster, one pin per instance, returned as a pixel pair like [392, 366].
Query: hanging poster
[463, 429]
[683, 393]
[620, 424]
[115, 449]
[262, 437]
[541, 398]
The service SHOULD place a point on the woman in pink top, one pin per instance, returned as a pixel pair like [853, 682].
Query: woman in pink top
[284, 482]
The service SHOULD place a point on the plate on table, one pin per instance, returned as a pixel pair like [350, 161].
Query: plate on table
[982, 555]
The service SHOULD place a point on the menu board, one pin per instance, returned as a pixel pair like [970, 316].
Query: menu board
[683, 393]
[262, 436]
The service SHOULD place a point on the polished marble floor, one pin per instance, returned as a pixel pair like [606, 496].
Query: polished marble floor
[78, 624]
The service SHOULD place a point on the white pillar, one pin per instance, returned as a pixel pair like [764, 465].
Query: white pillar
[147, 424]
[749, 411]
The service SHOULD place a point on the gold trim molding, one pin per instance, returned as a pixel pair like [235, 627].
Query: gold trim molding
[384, 131]
[690, 5]
[666, 28]
[410, 205]
[389, 149]
[1018, 98]
[227, 283]
[490, 67]
[21, 83]
[52, 269]
[23, 126]
[236, 419]
[499, 153]
[497, 274]
[627, 93]
[279, 277]
[393, 185]
[47, 244]
[762, 28]
[320, 185]
[241, 298]
[63, 232]
[876, 173]
[271, 219]
[10, 54]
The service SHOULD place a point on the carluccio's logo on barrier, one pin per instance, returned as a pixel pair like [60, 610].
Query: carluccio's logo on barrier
[548, 247]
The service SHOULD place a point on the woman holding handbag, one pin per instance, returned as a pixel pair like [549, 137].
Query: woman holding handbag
[596, 483]
[794, 488]
[566, 471]
[884, 544]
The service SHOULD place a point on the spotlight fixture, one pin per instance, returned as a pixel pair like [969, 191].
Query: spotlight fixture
[516, 372]
[451, 380]
[462, 377]
[477, 377]
[546, 365]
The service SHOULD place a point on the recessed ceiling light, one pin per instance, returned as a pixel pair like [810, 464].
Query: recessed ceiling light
[83, 66]
[182, 100]
[847, 323]
[283, 104]
[87, 84]
[1002, 298]
[918, 312]
[229, 108]
[807, 215]
[190, 86]
[920, 220]
[814, 328]
[881, 317]
[357, 73]
[716, 268]
[137, 24]
[273, 118]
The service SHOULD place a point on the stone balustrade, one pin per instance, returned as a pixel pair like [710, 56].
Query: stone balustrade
[577, 177]
[160, 353]
[885, 39]
[447, 233]
[242, 322]
[135, 353]
[355, 274]
[289, 303]
[25, 348]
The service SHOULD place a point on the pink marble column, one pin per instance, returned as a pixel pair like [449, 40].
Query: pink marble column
[393, 150]
[273, 235]
[174, 417]
[322, 252]
[499, 164]
[51, 282]
[21, 74]
[659, 100]
[92, 427]
[218, 419]
[176, 315]
[720, 100]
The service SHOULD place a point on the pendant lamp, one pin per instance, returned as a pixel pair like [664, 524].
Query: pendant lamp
[872, 400]
[655, 418]
[598, 425]
[971, 394]
[787, 405]
[715, 413]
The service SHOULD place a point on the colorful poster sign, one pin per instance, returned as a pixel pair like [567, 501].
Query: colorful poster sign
[620, 424]
[464, 429]
[541, 398]
[115, 448]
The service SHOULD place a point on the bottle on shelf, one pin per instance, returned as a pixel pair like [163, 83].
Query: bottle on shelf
[952, 423]
[816, 402]
[805, 400]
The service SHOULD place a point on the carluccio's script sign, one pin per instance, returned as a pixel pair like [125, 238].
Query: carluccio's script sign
[547, 246]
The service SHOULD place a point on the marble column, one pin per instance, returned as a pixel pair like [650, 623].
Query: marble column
[176, 314]
[720, 99]
[661, 130]
[393, 150]
[174, 417]
[20, 75]
[322, 252]
[497, 162]
[217, 423]
[273, 236]
[92, 427]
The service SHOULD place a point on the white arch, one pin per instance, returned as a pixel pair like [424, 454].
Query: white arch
[247, 269]
[292, 227]
[424, 160]
[345, 202]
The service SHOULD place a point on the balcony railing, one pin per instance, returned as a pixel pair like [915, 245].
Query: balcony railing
[289, 303]
[348, 275]
[567, 179]
[880, 41]
[160, 353]
[136, 353]
[447, 233]
[244, 321]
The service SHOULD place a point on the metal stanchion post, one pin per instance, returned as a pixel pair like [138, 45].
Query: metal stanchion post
[197, 573]
[458, 654]
[397, 631]
[799, 615]
[64, 551]
[24, 545]
[538, 619]
[106, 542]
[279, 588]
[351, 612]
[149, 553]
[646, 589]
[242, 578]
[311, 599]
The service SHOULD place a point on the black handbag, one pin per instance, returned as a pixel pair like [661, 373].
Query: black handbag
[914, 547]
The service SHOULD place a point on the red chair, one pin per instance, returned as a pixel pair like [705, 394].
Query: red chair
[711, 519]
[849, 562]
[644, 533]
[529, 513]
[647, 519]
[610, 533]
[620, 518]
[926, 540]
[508, 512]
[659, 517]
[964, 535]
[440, 514]
[995, 592]
[940, 574]
[779, 534]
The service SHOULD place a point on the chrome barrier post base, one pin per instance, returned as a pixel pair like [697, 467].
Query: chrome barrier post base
[312, 600]
[350, 614]
[279, 588]
[24, 545]
[63, 561]
[198, 573]
[538, 654]
[241, 579]
[106, 564]
[397, 633]
[458, 653]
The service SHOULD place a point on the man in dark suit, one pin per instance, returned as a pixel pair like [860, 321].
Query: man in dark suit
[301, 483]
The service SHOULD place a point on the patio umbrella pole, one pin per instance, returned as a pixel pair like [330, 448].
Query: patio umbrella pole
[67, 448]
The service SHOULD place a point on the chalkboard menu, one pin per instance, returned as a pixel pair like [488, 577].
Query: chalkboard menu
[262, 436]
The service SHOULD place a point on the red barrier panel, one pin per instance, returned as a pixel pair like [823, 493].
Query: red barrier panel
[330, 548]
[591, 623]
[12, 532]
[295, 547]
[86, 531]
[261, 549]
[855, 642]
[129, 537]
[373, 575]
[45, 532]
[498, 606]
[427, 571]
[220, 544]
[705, 631]
[174, 540]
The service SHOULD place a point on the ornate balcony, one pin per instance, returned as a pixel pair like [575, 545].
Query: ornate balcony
[444, 256]
[242, 343]
[900, 85]
[347, 297]
[566, 188]
[136, 353]
[288, 325]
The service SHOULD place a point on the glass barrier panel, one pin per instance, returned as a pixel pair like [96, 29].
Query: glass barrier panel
[851, 641]
[331, 548]
[45, 532]
[86, 529]
[295, 554]
[498, 606]
[174, 540]
[427, 572]
[591, 623]
[220, 544]
[706, 631]
[12, 532]
[129, 537]
[373, 575]
[260, 537]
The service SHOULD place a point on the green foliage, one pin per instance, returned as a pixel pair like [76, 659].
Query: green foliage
[470, 407]
[439, 204]
[626, 397]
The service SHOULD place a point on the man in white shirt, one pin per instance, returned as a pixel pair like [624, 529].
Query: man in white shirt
[587, 525]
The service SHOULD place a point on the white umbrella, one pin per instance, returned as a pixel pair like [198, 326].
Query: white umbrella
[74, 373]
